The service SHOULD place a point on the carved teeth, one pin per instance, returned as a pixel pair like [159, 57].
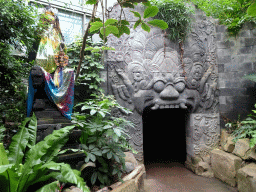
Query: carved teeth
[183, 106]
[155, 107]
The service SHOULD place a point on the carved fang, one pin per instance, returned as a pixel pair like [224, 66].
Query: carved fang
[183, 106]
[155, 107]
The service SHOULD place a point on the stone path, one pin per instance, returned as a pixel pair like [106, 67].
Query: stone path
[174, 177]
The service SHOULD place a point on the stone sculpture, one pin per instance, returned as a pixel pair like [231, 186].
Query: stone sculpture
[51, 83]
[145, 70]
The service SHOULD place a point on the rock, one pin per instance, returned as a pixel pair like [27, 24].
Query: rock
[129, 157]
[127, 186]
[246, 177]
[207, 159]
[226, 141]
[204, 170]
[139, 181]
[133, 175]
[243, 150]
[192, 163]
[105, 189]
[225, 166]
[129, 167]
[73, 189]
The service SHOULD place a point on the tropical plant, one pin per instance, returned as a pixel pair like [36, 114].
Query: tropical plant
[232, 13]
[89, 79]
[103, 137]
[245, 128]
[28, 163]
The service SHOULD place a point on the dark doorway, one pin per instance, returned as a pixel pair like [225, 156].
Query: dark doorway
[164, 135]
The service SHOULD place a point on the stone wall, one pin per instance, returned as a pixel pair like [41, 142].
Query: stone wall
[236, 57]
[145, 71]
[214, 64]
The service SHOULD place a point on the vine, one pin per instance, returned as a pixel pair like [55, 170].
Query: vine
[177, 15]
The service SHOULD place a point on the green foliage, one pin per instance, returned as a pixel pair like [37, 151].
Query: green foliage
[232, 13]
[118, 28]
[17, 31]
[177, 15]
[251, 77]
[150, 11]
[104, 138]
[28, 163]
[245, 128]
[252, 10]
[89, 79]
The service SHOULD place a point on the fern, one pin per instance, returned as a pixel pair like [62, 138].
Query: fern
[246, 129]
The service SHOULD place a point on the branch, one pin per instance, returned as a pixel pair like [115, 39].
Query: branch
[84, 40]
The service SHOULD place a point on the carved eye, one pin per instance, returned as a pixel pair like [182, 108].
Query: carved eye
[159, 86]
[180, 86]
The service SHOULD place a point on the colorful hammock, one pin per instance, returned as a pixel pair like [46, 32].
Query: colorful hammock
[59, 90]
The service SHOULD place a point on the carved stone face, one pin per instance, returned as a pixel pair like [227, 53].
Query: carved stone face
[166, 91]
[137, 74]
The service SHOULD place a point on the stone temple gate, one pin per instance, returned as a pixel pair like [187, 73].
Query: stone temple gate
[145, 71]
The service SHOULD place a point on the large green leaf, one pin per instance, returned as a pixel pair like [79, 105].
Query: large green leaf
[32, 129]
[11, 176]
[3, 155]
[150, 12]
[68, 175]
[110, 22]
[49, 187]
[44, 151]
[47, 149]
[158, 23]
[91, 2]
[95, 26]
[252, 10]
[18, 146]
[136, 14]
[145, 27]
[3, 168]
[109, 29]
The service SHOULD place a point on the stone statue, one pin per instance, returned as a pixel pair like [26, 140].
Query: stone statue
[51, 83]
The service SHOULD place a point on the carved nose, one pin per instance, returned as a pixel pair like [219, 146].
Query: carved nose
[169, 93]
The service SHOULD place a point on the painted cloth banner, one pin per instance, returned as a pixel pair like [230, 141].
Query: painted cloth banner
[59, 90]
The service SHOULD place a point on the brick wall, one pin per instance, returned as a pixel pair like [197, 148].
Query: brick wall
[236, 57]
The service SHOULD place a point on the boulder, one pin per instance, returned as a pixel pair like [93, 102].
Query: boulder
[130, 162]
[225, 166]
[129, 167]
[127, 186]
[204, 170]
[226, 141]
[243, 150]
[129, 157]
[246, 177]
